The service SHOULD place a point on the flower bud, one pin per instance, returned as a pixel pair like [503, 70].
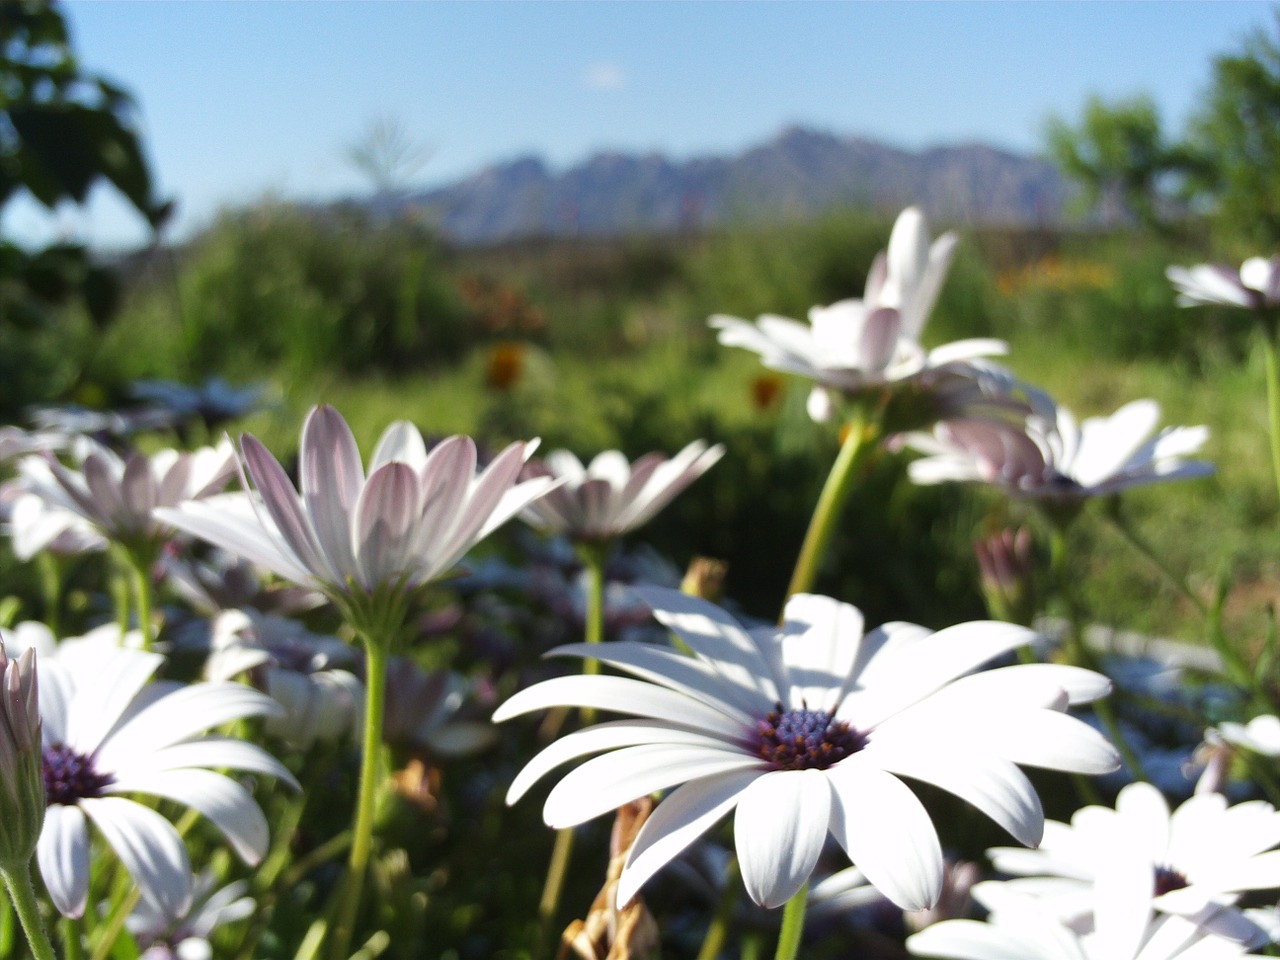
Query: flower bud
[1007, 570]
[21, 760]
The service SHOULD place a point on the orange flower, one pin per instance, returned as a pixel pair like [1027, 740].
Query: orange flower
[505, 365]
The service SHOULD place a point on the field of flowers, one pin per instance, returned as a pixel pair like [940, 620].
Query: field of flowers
[829, 653]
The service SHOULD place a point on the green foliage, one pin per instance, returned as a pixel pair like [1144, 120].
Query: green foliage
[1236, 135]
[61, 132]
[1119, 158]
[281, 287]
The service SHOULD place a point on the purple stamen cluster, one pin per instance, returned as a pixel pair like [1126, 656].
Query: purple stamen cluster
[804, 738]
[69, 776]
[1168, 879]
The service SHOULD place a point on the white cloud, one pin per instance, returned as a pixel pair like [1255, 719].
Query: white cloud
[604, 76]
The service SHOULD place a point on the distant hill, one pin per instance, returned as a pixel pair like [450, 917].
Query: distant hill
[798, 174]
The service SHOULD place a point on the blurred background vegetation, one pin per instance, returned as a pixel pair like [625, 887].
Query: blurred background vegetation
[598, 343]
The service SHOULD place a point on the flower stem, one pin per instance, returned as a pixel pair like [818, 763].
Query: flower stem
[142, 592]
[1272, 363]
[376, 651]
[718, 931]
[834, 493]
[72, 938]
[593, 632]
[792, 925]
[557, 870]
[23, 896]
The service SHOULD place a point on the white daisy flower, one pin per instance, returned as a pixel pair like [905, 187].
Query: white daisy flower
[185, 935]
[872, 342]
[1022, 928]
[109, 734]
[1050, 456]
[1255, 286]
[611, 495]
[1192, 863]
[805, 730]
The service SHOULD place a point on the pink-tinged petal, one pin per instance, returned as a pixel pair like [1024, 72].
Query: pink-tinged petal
[821, 639]
[879, 341]
[876, 276]
[63, 855]
[595, 504]
[446, 477]
[386, 515]
[513, 501]
[150, 849]
[622, 695]
[172, 488]
[282, 504]
[228, 805]
[987, 781]
[602, 736]
[400, 443]
[886, 832]
[779, 829]
[138, 494]
[564, 463]
[185, 712]
[682, 817]
[106, 681]
[1144, 813]
[907, 256]
[606, 782]
[228, 522]
[674, 670]
[331, 477]
[667, 481]
[487, 505]
[929, 285]
[718, 638]
[104, 488]
[212, 752]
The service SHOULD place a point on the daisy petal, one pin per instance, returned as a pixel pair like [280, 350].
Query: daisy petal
[150, 849]
[887, 833]
[606, 783]
[779, 829]
[685, 815]
[63, 855]
[227, 804]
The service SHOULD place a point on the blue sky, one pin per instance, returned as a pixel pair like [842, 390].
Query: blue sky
[240, 100]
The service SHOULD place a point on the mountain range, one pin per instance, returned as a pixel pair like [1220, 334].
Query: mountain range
[798, 174]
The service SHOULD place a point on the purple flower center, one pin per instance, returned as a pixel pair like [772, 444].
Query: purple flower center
[1168, 879]
[804, 738]
[69, 776]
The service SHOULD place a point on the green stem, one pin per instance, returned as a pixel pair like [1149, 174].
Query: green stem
[23, 896]
[143, 595]
[50, 566]
[72, 938]
[557, 870]
[860, 429]
[593, 559]
[718, 931]
[792, 925]
[376, 650]
[1131, 537]
[1272, 363]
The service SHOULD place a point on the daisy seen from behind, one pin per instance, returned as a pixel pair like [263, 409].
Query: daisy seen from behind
[805, 730]
[108, 733]
[611, 495]
[1051, 456]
